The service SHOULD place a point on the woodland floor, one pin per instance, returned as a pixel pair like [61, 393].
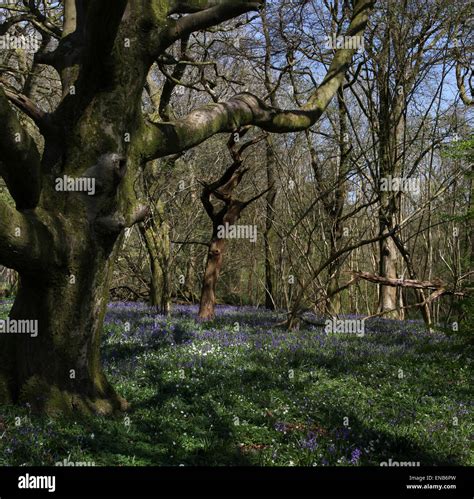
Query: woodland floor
[240, 391]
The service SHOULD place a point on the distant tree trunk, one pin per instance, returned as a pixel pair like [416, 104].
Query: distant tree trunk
[270, 214]
[190, 277]
[214, 261]
[158, 247]
[333, 205]
[391, 125]
[388, 268]
[223, 190]
[189, 290]
[333, 300]
[155, 270]
[470, 216]
[420, 295]
[10, 279]
[335, 208]
[271, 88]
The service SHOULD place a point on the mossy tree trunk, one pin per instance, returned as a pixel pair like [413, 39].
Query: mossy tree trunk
[60, 369]
[157, 243]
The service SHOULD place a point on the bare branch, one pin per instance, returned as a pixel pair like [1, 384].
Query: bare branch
[26, 105]
[203, 19]
[407, 283]
[162, 139]
[191, 6]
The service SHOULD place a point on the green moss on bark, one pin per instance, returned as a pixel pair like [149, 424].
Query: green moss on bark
[50, 400]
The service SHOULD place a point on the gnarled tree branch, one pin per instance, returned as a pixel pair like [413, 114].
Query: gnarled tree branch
[26, 105]
[162, 139]
[19, 158]
[468, 101]
[192, 6]
[203, 19]
[25, 243]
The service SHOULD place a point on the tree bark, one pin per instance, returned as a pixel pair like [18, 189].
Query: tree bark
[391, 124]
[62, 242]
[214, 262]
[223, 190]
[270, 215]
[158, 248]
[59, 371]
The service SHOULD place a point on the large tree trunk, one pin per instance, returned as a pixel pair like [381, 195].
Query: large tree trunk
[64, 238]
[59, 370]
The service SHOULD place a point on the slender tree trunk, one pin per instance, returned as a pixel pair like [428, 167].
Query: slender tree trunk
[335, 208]
[228, 215]
[155, 270]
[165, 299]
[333, 299]
[388, 268]
[270, 214]
[158, 248]
[392, 126]
[211, 275]
[333, 302]
[190, 278]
